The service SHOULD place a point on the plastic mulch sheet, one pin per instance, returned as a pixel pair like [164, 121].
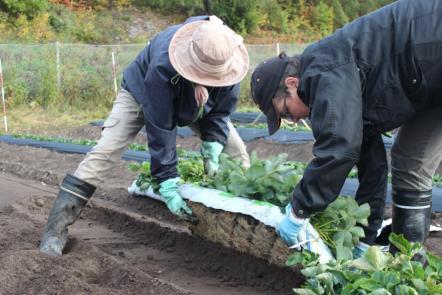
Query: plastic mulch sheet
[349, 188]
[250, 134]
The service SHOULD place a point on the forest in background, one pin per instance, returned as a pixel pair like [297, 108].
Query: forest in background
[46, 63]
[105, 21]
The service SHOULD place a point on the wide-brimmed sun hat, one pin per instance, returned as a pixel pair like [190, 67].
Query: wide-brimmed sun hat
[209, 53]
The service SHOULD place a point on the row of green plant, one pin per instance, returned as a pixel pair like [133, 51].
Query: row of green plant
[289, 127]
[339, 226]
[189, 159]
[283, 175]
[271, 180]
[411, 271]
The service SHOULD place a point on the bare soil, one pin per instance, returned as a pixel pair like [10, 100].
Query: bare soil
[121, 244]
[131, 245]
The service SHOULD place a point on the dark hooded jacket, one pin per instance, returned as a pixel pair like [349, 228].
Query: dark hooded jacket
[367, 78]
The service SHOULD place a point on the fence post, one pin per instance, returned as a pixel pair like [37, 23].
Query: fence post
[57, 46]
[114, 73]
[277, 48]
[3, 97]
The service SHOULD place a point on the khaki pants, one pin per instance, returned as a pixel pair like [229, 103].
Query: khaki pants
[119, 130]
[417, 151]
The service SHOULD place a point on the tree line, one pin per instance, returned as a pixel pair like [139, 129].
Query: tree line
[305, 19]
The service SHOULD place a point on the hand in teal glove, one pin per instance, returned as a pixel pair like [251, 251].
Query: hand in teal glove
[290, 227]
[169, 191]
[210, 150]
[360, 249]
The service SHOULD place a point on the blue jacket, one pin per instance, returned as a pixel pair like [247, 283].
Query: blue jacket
[168, 101]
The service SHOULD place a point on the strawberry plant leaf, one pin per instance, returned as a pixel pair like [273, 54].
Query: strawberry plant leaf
[376, 258]
[380, 291]
[361, 214]
[419, 285]
[305, 258]
[363, 264]
[435, 263]
[302, 291]
[404, 246]
[405, 290]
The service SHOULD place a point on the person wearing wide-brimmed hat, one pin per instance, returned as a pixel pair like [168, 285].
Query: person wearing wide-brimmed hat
[188, 75]
[380, 72]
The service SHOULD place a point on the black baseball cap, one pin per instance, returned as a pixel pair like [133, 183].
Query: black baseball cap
[264, 84]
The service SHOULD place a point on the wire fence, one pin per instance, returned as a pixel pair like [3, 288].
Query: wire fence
[82, 74]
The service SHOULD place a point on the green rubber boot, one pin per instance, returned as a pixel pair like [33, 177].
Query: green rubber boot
[73, 196]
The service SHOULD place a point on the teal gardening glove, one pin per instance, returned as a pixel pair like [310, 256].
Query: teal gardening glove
[359, 250]
[169, 191]
[210, 150]
[290, 226]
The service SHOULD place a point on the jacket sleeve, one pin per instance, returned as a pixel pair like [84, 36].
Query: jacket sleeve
[336, 118]
[372, 174]
[213, 125]
[160, 124]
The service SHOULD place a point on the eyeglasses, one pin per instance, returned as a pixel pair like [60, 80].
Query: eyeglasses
[285, 114]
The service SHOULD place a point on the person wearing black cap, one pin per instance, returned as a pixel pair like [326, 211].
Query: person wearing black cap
[380, 72]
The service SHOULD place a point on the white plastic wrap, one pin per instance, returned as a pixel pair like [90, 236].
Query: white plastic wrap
[265, 212]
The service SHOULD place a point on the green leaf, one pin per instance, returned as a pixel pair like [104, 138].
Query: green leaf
[363, 264]
[376, 258]
[433, 286]
[256, 171]
[400, 242]
[311, 272]
[339, 278]
[343, 252]
[352, 275]
[367, 284]
[387, 279]
[325, 276]
[294, 259]
[304, 291]
[277, 179]
[381, 291]
[419, 284]
[357, 232]
[344, 245]
[144, 186]
[316, 285]
[304, 257]
[340, 204]
[361, 214]
[434, 261]
[418, 270]
[405, 290]
[134, 167]
[348, 290]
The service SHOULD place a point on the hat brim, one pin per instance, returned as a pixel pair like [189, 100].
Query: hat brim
[181, 59]
[273, 121]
